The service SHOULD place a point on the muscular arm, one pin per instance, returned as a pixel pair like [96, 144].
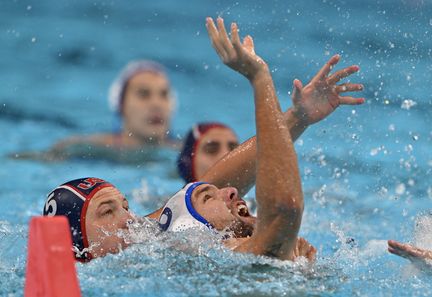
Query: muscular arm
[278, 187]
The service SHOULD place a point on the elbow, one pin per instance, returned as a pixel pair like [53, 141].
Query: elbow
[291, 209]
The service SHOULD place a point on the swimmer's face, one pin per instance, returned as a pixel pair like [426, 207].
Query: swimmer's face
[147, 105]
[223, 209]
[215, 143]
[107, 220]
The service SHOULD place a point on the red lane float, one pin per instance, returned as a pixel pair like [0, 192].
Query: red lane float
[51, 268]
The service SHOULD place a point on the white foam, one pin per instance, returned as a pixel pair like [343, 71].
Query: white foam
[422, 236]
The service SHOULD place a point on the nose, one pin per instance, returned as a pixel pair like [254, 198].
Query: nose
[230, 194]
[224, 150]
[155, 103]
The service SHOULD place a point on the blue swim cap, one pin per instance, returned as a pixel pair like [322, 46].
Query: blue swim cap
[71, 199]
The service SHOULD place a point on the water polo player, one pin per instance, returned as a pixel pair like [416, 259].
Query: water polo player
[98, 216]
[278, 187]
[143, 101]
[142, 98]
[203, 146]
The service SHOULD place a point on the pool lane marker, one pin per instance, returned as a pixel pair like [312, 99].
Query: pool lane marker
[51, 268]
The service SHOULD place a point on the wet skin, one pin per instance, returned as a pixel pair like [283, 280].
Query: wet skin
[107, 218]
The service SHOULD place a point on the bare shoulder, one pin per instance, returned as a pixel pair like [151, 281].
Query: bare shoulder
[96, 139]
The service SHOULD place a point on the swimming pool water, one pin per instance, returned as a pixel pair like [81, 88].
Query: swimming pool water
[366, 170]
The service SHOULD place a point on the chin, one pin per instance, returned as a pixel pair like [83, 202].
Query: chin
[241, 229]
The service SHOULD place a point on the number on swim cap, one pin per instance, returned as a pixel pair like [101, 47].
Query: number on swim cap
[51, 203]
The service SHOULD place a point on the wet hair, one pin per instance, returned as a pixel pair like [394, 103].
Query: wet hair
[119, 85]
[186, 158]
[71, 199]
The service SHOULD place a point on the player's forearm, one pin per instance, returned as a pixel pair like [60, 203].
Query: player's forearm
[236, 169]
[278, 179]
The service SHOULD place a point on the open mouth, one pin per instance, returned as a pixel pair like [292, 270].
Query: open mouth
[242, 210]
[156, 120]
[245, 222]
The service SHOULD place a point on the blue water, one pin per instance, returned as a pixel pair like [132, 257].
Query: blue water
[366, 170]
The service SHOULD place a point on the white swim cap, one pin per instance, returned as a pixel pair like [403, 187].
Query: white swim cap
[117, 87]
[179, 214]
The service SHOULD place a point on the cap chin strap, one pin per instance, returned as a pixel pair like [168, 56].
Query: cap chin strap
[190, 208]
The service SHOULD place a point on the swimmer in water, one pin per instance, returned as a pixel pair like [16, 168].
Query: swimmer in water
[213, 204]
[233, 175]
[98, 216]
[421, 258]
[142, 98]
[204, 145]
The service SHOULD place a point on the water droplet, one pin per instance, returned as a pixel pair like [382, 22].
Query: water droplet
[374, 151]
[400, 189]
[409, 148]
[408, 103]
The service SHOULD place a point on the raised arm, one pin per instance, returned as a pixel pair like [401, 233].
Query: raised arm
[311, 103]
[278, 186]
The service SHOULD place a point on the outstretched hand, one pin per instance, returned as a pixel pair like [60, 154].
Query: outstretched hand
[237, 55]
[419, 257]
[321, 96]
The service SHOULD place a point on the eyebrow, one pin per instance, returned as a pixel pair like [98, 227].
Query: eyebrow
[212, 143]
[110, 201]
[203, 189]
